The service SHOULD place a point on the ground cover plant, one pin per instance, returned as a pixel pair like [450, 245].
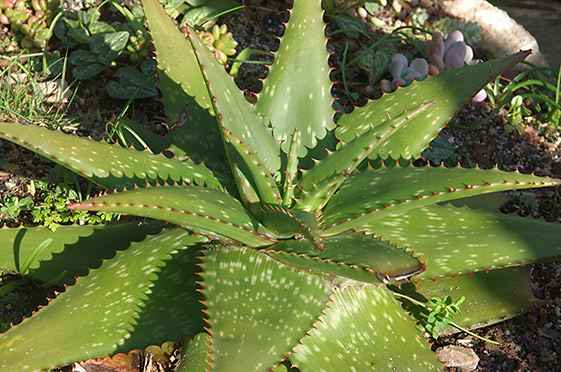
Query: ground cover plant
[281, 255]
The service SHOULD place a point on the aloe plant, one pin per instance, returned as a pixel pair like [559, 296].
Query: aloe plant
[287, 233]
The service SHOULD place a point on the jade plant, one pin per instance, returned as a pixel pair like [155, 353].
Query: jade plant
[220, 42]
[288, 235]
[29, 18]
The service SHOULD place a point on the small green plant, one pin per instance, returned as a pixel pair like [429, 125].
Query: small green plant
[104, 43]
[13, 206]
[470, 30]
[52, 212]
[441, 313]
[53, 197]
[532, 96]
[294, 228]
[23, 271]
[440, 151]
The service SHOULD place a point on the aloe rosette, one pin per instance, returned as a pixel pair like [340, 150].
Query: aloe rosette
[287, 233]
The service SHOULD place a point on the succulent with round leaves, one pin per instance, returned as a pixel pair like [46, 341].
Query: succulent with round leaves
[403, 72]
[449, 53]
[452, 52]
[30, 18]
[220, 42]
[295, 230]
[139, 46]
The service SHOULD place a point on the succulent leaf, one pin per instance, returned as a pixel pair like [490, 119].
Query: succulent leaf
[355, 256]
[242, 303]
[484, 239]
[389, 191]
[116, 313]
[450, 90]
[297, 89]
[192, 357]
[316, 197]
[109, 165]
[284, 278]
[185, 95]
[291, 170]
[491, 296]
[74, 248]
[351, 154]
[346, 159]
[232, 109]
[286, 223]
[265, 184]
[211, 211]
[368, 327]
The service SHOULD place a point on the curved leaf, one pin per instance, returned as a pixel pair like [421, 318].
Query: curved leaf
[349, 155]
[288, 223]
[490, 297]
[367, 328]
[146, 294]
[109, 165]
[212, 212]
[234, 112]
[450, 90]
[258, 308]
[297, 91]
[355, 256]
[484, 239]
[185, 95]
[74, 248]
[320, 183]
[263, 182]
[390, 191]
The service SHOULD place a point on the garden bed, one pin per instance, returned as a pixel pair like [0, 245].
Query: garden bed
[530, 342]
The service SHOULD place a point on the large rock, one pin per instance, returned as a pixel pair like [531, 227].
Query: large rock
[501, 34]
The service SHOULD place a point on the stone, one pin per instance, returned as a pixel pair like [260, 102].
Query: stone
[459, 357]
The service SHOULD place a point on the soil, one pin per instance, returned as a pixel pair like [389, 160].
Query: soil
[530, 342]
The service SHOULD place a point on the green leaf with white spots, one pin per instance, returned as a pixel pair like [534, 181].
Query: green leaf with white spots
[146, 294]
[368, 330]
[297, 91]
[354, 256]
[185, 95]
[351, 154]
[192, 357]
[255, 170]
[111, 166]
[490, 297]
[463, 240]
[209, 211]
[74, 249]
[175, 57]
[258, 308]
[330, 172]
[285, 366]
[450, 90]
[289, 223]
[291, 170]
[232, 109]
[389, 191]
